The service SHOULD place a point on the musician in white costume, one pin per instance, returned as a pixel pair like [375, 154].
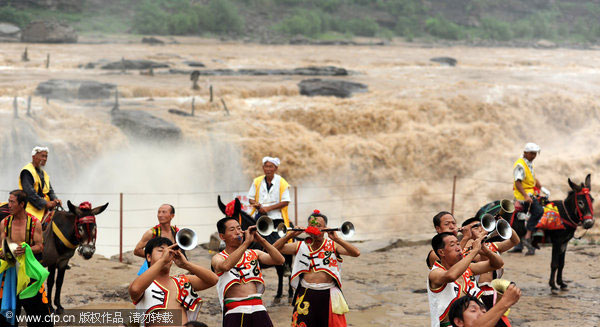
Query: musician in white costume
[318, 301]
[240, 286]
[454, 275]
[156, 289]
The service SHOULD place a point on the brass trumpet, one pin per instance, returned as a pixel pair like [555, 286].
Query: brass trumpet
[507, 207]
[347, 229]
[186, 239]
[501, 229]
[265, 226]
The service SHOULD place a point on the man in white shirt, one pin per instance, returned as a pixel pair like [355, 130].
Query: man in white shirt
[269, 193]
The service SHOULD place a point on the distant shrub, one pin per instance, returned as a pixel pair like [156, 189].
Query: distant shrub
[304, 22]
[150, 18]
[408, 27]
[443, 28]
[14, 16]
[363, 27]
[223, 17]
[496, 30]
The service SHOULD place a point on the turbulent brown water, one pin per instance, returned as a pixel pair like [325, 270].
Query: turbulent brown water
[383, 159]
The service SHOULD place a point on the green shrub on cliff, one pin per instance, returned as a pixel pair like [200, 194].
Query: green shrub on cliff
[15, 16]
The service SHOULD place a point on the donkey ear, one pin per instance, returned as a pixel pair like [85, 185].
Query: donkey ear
[73, 208]
[588, 181]
[98, 210]
[574, 186]
[221, 205]
[237, 208]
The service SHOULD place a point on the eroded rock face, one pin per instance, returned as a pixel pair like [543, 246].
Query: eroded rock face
[49, 32]
[134, 64]
[75, 89]
[325, 87]
[141, 125]
[448, 61]
[302, 71]
[9, 30]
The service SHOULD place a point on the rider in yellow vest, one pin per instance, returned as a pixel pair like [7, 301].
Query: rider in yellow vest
[524, 187]
[269, 194]
[36, 183]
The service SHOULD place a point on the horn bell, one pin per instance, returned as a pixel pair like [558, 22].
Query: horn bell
[265, 225]
[281, 230]
[488, 222]
[186, 239]
[504, 229]
[507, 207]
[347, 229]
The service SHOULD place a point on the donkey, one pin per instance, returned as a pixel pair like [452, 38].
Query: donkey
[68, 230]
[575, 210]
[246, 221]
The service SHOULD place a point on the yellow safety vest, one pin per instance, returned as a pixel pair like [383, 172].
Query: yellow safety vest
[283, 185]
[41, 190]
[528, 182]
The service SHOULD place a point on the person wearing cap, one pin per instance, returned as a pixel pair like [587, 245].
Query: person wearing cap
[36, 183]
[524, 187]
[269, 194]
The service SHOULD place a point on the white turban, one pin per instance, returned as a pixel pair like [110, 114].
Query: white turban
[39, 149]
[531, 147]
[274, 161]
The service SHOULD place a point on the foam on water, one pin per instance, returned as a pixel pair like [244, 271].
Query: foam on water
[387, 156]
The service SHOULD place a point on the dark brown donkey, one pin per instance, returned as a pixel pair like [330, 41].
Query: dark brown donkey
[576, 210]
[69, 230]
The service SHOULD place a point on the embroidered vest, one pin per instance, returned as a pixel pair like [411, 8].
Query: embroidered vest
[156, 231]
[323, 259]
[29, 228]
[245, 271]
[156, 297]
[442, 298]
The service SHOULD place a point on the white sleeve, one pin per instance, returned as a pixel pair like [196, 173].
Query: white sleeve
[519, 173]
[286, 195]
[252, 192]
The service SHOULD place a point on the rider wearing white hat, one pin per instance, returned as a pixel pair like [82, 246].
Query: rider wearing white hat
[34, 180]
[269, 194]
[525, 185]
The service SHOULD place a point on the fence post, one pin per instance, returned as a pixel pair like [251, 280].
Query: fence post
[120, 227]
[453, 194]
[295, 206]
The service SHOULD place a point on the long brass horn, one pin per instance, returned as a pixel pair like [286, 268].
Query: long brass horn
[186, 239]
[282, 229]
[488, 222]
[347, 229]
[506, 209]
[503, 230]
[265, 225]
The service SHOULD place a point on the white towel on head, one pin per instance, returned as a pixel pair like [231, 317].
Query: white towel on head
[272, 160]
[39, 149]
